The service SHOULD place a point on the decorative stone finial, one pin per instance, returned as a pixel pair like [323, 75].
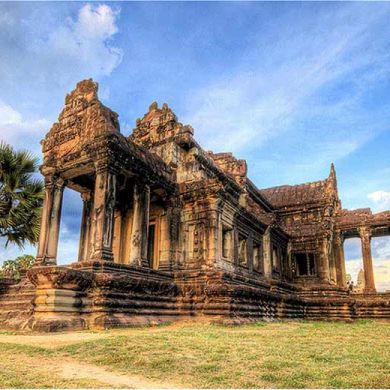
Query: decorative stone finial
[187, 129]
[87, 89]
[153, 106]
[332, 171]
[332, 179]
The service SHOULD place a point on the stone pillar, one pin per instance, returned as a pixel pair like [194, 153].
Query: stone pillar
[85, 226]
[332, 266]
[365, 237]
[267, 253]
[323, 271]
[103, 215]
[290, 266]
[212, 234]
[249, 252]
[171, 236]
[145, 224]
[340, 259]
[53, 232]
[45, 220]
[140, 225]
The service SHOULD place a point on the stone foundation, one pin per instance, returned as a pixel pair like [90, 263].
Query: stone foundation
[100, 295]
[16, 303]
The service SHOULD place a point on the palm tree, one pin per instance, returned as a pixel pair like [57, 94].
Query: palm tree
[21, 196]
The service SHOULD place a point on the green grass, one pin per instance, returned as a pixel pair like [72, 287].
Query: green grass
[274, 355]
[283, 355]
[24, 366]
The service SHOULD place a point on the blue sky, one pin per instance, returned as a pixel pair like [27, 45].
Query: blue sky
[290, 87]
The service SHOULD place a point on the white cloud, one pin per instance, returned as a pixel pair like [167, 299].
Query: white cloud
[380, 199]
[96, 23]
[6, 19]
[20, 132]
[76, 48]
[8, 115]
[84, 43]
[46, 50]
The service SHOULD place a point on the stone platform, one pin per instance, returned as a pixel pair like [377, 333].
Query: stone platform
[99, 295]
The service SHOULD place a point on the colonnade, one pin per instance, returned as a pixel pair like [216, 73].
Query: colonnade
[97, 225]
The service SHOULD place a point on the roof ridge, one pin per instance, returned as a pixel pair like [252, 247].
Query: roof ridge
[322, 181]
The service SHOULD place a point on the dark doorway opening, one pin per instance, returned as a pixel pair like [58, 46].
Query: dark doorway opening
[306, 264]
[151, 246]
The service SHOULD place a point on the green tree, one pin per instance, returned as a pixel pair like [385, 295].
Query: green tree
[21, 196]
[14, 268]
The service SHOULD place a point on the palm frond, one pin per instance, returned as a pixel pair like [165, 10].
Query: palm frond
[21, 196]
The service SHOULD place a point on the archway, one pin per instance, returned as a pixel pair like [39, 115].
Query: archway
[380, 247]
[353, 259]
[68, 246]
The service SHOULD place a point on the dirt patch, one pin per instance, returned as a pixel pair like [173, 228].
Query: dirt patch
[52, 340]
[75, 370]
[71, 372]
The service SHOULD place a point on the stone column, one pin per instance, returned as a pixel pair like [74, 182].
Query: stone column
[267, 253]
[85, 226]
[145, 224]
[365, 237]
[171, 237]
[332, 266]
[235, 246]
[45, 220]
[323, 271]
[53, 233]
[212, 234]
[140, 225]
[340, 259]
[289, 260]
[249, 252]
[103, 215]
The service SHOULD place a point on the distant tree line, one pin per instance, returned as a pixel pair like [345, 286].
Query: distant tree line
[15, 268]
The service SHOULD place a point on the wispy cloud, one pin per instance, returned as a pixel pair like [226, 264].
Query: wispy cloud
[290, 81]
[18, 131]
[381, 200]
[61, 51]
[84, 41]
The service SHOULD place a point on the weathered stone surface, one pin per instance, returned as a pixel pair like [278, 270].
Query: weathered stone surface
[170, 230]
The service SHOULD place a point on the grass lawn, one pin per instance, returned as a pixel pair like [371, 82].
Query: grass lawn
[287, 354]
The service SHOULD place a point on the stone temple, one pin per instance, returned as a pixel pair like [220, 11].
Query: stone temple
[172, 231]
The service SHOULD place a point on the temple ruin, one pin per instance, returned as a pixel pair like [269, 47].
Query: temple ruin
[171, 231]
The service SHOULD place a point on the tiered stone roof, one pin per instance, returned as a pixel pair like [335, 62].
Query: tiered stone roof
[294, 195]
